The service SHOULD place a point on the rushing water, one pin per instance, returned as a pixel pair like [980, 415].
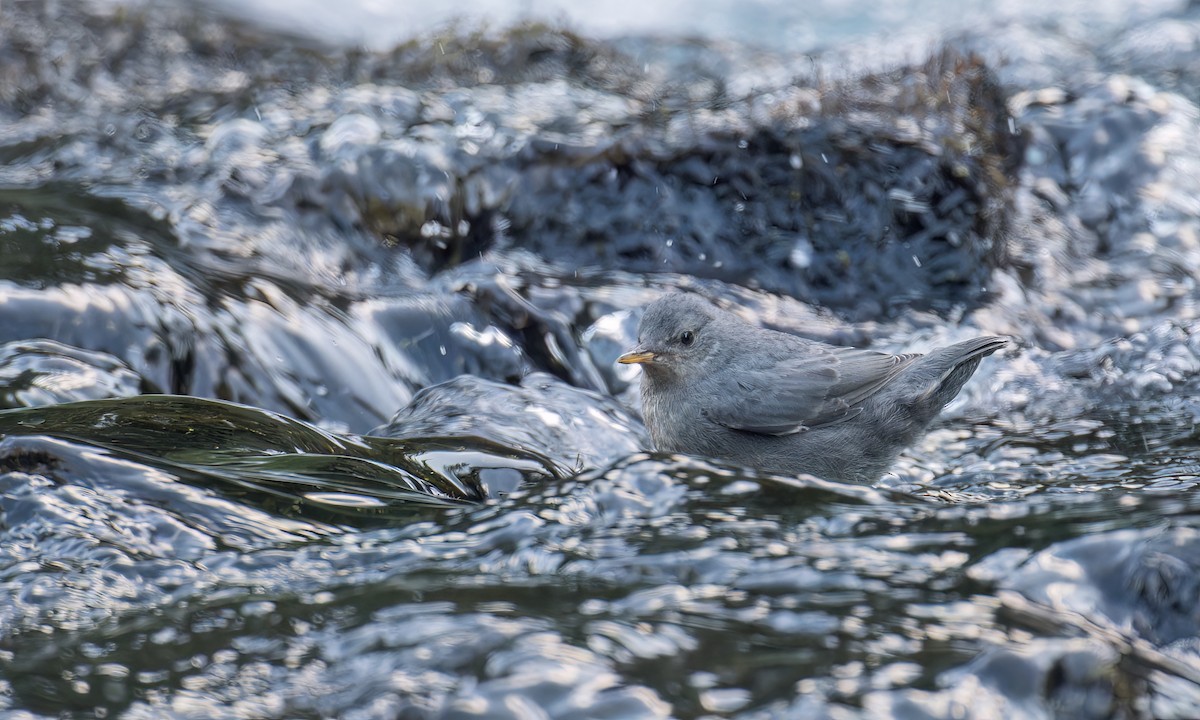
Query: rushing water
[307, 356]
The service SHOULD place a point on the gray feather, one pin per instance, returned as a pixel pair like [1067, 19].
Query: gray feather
[817, 386]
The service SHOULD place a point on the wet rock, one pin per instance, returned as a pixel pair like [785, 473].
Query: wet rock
[888, 209]
[574, 428]
[1140, 582]
[1046, 679]
[1121, 601]
[869, 196]
[288, 465]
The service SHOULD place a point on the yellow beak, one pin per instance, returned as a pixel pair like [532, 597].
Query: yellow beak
[636, 357]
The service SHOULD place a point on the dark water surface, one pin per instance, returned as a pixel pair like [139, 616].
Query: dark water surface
[311, 410]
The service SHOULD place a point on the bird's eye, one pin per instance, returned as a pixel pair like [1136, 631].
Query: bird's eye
[687, 338]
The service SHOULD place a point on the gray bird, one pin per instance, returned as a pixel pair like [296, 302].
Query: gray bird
[714, 385]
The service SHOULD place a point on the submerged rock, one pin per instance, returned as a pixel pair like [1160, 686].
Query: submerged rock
[574, 428]
[275, 462]
[1116, 616]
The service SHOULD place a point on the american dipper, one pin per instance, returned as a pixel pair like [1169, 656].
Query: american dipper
[714, 385]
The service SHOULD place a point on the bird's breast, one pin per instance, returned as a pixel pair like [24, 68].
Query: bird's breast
[676, 421]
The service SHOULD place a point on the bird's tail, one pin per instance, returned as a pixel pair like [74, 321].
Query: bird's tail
[947, 369]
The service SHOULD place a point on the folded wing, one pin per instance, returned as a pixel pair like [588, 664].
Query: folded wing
[818, 386]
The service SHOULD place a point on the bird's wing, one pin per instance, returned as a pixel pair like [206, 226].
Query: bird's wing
[819, 386]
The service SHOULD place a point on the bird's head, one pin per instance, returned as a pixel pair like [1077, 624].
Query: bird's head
[675, 338]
